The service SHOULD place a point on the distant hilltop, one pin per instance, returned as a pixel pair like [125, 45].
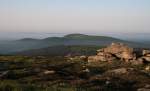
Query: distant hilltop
[28, 44]
[73, 36]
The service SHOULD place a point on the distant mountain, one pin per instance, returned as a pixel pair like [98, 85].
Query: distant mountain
[28, 39]
[88, 37]
[71, 39]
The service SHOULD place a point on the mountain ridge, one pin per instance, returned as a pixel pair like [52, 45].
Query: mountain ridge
[70, 39]
[72, 36]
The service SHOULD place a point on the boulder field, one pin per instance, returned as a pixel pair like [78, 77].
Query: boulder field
[122, 52]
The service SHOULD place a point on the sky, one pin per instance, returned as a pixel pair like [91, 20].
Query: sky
[74, 16]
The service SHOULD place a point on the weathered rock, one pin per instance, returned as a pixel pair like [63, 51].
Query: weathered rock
[147, 68]
[103, 57]
[100, 50]
[96, 59]
[145, 52]
[147, 55]
[83, 57]
[146, 88]
[86, 70]
[101, 53]
[146, 58]
[138, 61]
[3, 74]
[119, 71]
[116, 48]
[114, 51]
[143, 89]
[46, 72]
[120, 50]
[127, 56]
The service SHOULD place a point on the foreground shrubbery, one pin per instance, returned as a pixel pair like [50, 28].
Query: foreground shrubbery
[20, 73]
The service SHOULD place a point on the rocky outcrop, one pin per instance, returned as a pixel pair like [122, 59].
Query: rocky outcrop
[146, 88]
[119, 51]
[147, 68]
[46, 72]
[119, 71]
[112, 52]
[3, 74]
[103, 57]
[145, 52]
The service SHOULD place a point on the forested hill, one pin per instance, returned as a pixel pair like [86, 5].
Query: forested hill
[71, 39]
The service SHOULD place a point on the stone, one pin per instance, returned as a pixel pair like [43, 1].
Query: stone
[112, 52]
[116, 48]
[46, 72]
[119, 71]
[3, 74]
[120, 50]
[143, 89]
[139, 61]
[147, 68]
[86, 70]
[83, 58]
[127, 56]
[107, 82]
[96, 59]
[100, 53]
[147, 58]
[147, 86]
[101, 58]
[100, 50]
[146, 52]
[147, 55]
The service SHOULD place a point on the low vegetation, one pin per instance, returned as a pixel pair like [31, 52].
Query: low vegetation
[43, 73]
[61, 50]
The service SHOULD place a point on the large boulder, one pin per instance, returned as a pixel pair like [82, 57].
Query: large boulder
[96, 59]
[3, 74]
[118, 71]
[47, 72]
[101, 56]
[145, 52]
[143, 89]
[120, 50]
[148, 55]
[146, 88]
[146, 58]
[114, 51]
[138, 61]
[147, 68]
[128, 56]
[116, 48]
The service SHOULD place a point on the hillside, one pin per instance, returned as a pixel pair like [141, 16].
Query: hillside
[61, 50]
[89, 37]
[71, 39]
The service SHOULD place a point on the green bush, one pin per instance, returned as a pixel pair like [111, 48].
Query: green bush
[8, 85]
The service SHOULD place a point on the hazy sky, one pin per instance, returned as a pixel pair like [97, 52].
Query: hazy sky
[68, 16]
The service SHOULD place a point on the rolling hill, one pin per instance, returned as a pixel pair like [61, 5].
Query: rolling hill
[68, 40]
